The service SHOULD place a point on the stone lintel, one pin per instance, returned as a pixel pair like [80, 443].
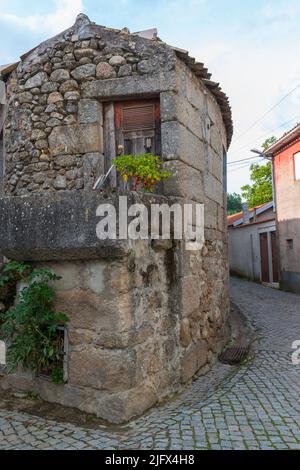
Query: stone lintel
[130, 86]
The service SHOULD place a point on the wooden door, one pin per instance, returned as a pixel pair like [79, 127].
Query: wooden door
[264, 257]
[274, 257]
[137, 125]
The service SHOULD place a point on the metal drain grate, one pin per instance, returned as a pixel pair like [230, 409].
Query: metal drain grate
[233, 355]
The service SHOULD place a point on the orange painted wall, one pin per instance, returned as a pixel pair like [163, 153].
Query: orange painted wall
[288, 208]
[287, 188]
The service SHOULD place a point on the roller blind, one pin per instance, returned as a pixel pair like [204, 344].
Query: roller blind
[137, 118]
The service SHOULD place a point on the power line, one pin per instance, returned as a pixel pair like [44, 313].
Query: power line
[265, 135]
[232, 170]
[265, 114]
[243, 160]
[237, 169]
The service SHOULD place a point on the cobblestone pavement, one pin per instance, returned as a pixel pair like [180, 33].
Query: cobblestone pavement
[254, 406]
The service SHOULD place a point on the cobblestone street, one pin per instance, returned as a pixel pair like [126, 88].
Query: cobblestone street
[253, 406]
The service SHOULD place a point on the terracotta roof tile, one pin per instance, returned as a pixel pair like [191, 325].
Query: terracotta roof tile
[234, 217]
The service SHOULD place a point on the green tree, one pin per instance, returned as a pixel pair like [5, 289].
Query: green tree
[268, 142]
[261, 190]
[234, 203]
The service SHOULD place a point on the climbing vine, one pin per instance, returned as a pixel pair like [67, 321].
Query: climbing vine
[31, 327]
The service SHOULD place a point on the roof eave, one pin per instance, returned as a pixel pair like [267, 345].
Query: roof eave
[202, 73]
[285, 141]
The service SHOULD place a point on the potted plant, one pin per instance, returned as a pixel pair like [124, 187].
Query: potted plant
[145, 169]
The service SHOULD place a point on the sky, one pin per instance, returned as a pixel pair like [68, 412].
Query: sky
[251, 47]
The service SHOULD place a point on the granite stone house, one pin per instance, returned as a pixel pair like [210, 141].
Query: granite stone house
[145, 316]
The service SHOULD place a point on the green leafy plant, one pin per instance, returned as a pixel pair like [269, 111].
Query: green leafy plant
[260, 191]
[57, 375]
[234, 203]
[32, 395]
[146, 170]
[10, 274]
[31, 327]
[11, 271]
[268, 143]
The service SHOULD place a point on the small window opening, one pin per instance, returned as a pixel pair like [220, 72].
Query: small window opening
[58, 370]
[290, 243]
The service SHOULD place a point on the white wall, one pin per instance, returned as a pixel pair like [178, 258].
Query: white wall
[244, 249]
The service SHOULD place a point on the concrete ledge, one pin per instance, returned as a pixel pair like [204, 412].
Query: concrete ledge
[59, 226]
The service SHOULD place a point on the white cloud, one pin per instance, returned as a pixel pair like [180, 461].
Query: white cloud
[62, 17]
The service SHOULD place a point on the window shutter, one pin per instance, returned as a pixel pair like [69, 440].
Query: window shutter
[138, 118]
[137, 126]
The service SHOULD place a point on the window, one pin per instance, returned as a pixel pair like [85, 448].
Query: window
[297, 165]
[61, 363]
[138, 126]
[290, 243]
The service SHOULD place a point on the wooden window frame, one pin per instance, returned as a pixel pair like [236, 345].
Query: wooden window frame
[118, 112]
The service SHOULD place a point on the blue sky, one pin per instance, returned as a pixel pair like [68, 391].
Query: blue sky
[250, 46]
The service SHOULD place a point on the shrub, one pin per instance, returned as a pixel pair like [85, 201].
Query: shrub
[31, 327]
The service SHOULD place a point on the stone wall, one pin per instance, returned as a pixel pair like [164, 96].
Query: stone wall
[145, 316]
[122, 336]
[198, 152]
[146, 319]
[54, 124]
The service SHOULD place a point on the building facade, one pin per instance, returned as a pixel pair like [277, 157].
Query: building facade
[145, 317]
[253, 244]
[286, 164]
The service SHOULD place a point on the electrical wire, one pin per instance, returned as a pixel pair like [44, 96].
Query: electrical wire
[268, 112]
[232, 170]
[242, 160]
[264, 135]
